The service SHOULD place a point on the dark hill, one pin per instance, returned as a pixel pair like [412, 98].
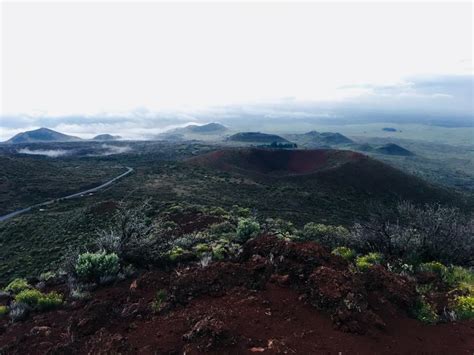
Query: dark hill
[393, 149]
[319, 139]
[276, 162]
[41, 135]
[256, 137]
[106, 137]
[206, 131]
[206, 128]
[341, 174]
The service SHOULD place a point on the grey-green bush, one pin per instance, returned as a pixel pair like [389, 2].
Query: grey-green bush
[326, 235]
[93, 266]
[247, 228]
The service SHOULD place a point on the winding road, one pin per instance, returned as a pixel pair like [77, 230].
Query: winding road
[78, 194]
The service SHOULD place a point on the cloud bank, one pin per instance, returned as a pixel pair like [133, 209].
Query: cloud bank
[52, 153]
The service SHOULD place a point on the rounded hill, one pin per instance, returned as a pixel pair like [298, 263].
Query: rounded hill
[276, 161]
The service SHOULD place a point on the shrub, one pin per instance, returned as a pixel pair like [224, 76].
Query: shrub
[222, 228]
[425, 312]
[29, 297]
[326, 235]
[435, 267]
[345, 252]
[366, 261]
[201, 249]
[18, 311]
[279, 227]
[241, 211]
[93, 266]
[459, 277]
[79, 294]
[218, 211]
[158, 301]
[219, 252]
[133, 236]
[47, 276]
[49, 301]
[37, 300]
[247, 228]
[176, 252]
[17, 286]
[464, 307]
[418, 234]
[3, 310]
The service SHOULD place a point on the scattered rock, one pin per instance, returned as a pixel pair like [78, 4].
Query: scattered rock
[41, 331]
[209, 333]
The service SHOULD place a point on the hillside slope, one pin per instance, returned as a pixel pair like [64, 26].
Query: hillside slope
[344, 173]
[41, 135]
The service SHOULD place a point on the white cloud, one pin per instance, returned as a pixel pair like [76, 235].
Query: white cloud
[52, 153]
[106, 58]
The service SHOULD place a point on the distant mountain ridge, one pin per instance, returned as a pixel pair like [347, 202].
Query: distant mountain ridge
[206, 128]
[194, 131]
[41, 135]
[106, 137]
[393, 149]
[320, 138]
[256, 137]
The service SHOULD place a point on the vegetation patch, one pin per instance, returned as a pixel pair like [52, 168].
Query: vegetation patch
[94, 266]
[17, 286]
[366, 261]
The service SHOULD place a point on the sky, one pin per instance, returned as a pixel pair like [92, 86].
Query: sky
[89, 67]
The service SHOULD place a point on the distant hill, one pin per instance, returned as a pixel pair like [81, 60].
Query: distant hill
[106, 137]
[365, 147]
[41, 135]
[320, 138]
[210, 128]
[280, 162]
[393, 149]
[341, 173]
[205, 132]
[256, 137]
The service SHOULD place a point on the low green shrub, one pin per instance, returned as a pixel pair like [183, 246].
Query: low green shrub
[464, 307]
[175, 253]
[425, 312]
[435, 267]
[279, 227]
[18, 285]
[219, 251]
[222, 228]
[247, 228]
[202, 248]
[459, 277]
[38, 300]
[49, 301]
[326, 235]
[345, 252]
[241, 212]
[3, 310]
[218, 211]
[366, 261]
[160, 298]
[29, 297]
[224, 248]
[93, 266]
[47, 276]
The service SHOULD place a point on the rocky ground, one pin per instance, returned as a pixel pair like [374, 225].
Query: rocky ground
[278, 297]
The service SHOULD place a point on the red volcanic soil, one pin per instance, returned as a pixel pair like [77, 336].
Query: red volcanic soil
[276, 161]
[278, 297]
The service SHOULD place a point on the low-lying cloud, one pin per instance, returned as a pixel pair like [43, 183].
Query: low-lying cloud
[113, 149]
[52, 153]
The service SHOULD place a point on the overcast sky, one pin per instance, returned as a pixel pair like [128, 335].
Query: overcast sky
[108, 58]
